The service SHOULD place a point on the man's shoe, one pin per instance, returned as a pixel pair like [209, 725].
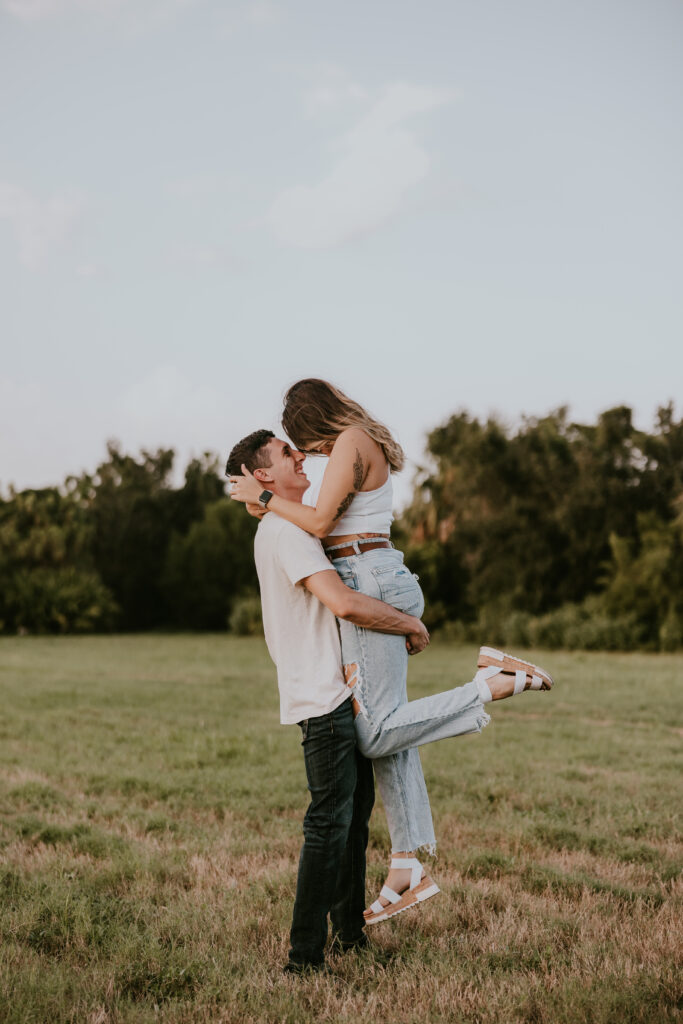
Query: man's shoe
[340, 946]
[292, 967]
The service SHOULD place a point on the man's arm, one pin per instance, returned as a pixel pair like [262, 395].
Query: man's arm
[365, 611]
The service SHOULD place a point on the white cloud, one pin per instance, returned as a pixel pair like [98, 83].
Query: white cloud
[41, 10]
[190, 188]
[143, 16]
[37, 10]
[380, 159]
[198, 256]
[262, 12]
[257, 15]
[165, 405]
[333, 89]
[22, 409]
[39, 225]
[163, 408]
[87, 270]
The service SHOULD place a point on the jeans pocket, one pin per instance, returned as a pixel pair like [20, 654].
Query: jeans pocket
[304, 730]
[348, 578]
[399, 587]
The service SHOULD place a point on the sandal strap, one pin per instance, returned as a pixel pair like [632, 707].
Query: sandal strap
[536, 682]
[390, 895]
[520, 680]
[488, 671]
[414, 865]
[480, 679]
[509, 663]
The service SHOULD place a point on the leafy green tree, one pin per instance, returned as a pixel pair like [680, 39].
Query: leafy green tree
[210, 567]
[557, 532]
[48, 581]
[204, 484]
[130, 512]
[504, 524]
[645, 578]
[135, 510]
[59, 600]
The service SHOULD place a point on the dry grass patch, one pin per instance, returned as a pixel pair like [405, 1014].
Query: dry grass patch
[149, 842]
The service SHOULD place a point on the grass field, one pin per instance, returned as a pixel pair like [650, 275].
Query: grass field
[151, 806]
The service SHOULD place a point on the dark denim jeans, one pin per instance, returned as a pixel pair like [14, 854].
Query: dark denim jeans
[331, 876]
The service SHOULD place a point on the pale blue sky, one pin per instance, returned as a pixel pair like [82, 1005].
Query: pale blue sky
[438, 205]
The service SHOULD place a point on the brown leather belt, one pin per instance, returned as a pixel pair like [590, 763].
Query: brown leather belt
[362, 545]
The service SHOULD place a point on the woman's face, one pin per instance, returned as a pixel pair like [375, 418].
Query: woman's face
[317, 448]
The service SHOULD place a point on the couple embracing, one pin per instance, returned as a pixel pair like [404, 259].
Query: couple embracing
[341, 614]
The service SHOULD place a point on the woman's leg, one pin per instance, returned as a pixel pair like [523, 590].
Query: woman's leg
[377, 664]
[388, 722]
[399, 776]
[455, 712]
[380, 685]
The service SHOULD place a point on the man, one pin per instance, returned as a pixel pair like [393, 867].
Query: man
[301, 596]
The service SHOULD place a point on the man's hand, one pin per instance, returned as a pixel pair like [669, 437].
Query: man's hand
[364, 611]
[417, 641]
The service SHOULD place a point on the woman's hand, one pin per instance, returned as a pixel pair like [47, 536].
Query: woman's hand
[417, 641]
[257, 511]
[245, 488]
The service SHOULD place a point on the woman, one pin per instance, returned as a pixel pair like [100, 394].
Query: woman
[352, 516]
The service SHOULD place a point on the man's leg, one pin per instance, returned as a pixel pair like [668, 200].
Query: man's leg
[330, 755]
[349, 899]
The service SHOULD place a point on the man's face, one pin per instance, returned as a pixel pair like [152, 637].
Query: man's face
[286, 471]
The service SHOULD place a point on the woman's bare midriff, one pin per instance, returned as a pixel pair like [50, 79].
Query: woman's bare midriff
[347, 538]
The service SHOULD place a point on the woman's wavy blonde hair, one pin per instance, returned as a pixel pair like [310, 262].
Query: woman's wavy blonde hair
[316, 412]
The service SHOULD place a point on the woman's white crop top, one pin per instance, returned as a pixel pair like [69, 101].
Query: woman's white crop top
[369, 512]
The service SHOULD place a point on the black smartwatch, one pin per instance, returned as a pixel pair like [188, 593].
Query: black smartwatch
[264, 497]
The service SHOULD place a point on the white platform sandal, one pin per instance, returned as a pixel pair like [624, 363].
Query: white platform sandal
[540, 679]
[419, 890]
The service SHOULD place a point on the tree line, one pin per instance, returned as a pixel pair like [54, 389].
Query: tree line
[553, 534]
[124, 549]
[556, 534]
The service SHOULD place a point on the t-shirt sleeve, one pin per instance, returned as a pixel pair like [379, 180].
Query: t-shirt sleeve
[300, 554]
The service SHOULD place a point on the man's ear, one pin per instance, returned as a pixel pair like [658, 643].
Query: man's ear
[262, 475]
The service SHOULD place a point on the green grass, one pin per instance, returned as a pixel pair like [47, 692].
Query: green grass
[150, 823]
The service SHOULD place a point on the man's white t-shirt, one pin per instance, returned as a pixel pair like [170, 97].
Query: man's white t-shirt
[301, 633]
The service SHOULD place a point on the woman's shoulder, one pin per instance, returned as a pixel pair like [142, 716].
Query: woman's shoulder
[356, 437]
[354, 446]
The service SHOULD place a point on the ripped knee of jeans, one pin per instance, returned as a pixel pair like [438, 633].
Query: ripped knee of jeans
[352, 674]
[354, 681]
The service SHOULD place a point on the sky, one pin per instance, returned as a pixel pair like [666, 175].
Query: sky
[440, 205]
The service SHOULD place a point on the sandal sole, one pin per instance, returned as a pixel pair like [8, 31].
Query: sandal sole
[411, 898]
[492, 656]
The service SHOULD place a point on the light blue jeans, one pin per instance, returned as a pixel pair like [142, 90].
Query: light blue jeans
[389, 728]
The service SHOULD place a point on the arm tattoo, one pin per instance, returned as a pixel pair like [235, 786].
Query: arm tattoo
[344, 505]
[357, 484]
[357, 472]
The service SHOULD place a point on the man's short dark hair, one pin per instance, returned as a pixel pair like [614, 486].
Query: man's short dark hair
[251, 452]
